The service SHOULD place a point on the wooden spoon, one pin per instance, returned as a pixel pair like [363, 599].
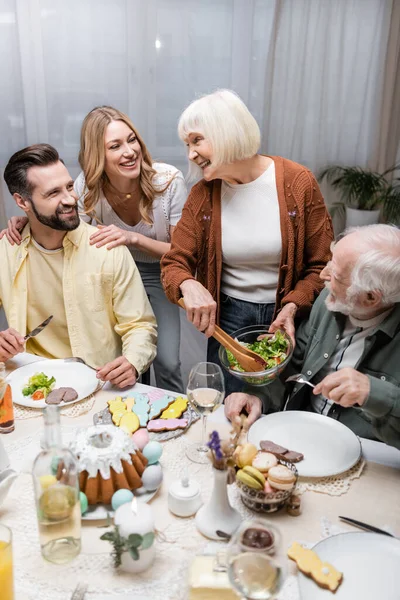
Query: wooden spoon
[250, 361]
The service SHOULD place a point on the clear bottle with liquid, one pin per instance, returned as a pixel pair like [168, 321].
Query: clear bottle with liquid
[55, 478]
[6, 404]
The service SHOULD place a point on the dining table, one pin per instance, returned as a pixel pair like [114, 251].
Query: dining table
[371, 495]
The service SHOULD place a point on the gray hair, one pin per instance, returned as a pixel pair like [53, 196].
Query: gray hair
[377, 269]
[226, 122]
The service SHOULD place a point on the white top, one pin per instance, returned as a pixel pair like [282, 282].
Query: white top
[167, 209]
[347, 354]
[251, 239]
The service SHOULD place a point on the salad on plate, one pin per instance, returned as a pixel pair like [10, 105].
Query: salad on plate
[39, 386]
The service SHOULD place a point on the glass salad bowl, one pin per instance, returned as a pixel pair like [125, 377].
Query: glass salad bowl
[279, 346]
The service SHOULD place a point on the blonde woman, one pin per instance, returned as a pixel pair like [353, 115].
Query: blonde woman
[255, 232]
[136, 203]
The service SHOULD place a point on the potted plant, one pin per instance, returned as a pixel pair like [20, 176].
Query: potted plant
[364, 193]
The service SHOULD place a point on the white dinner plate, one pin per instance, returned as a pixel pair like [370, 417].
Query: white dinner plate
[67, 374]
[369, 563]
[329, 447]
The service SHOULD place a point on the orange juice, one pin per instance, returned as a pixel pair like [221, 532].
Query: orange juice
[6, 571]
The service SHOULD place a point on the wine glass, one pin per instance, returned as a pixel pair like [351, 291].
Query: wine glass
[251, 570]
[205, 391]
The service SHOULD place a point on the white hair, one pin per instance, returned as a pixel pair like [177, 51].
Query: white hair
[377, 269]
[226, 122]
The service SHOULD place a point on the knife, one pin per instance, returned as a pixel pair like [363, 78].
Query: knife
[38, 329]
[365, 526]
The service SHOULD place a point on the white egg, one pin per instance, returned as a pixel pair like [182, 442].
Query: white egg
[152, 477]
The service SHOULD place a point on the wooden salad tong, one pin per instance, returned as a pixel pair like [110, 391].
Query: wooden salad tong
[250, 361]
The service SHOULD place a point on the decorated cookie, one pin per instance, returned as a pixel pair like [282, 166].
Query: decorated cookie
[117, 415]
[129, 423]
[141, 408]
[116, 405]
[155, 394]
[166, 424]
[176, 409]
[309, 563]
[158, 406]
[130, 401]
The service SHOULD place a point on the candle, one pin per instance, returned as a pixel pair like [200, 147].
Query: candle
[136, 517]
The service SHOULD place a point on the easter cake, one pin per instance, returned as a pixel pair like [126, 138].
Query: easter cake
[108, 460]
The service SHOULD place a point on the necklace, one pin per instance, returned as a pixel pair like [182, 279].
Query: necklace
[121, 196]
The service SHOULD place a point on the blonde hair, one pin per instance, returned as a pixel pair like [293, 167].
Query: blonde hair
[92, 161]
[226, 122]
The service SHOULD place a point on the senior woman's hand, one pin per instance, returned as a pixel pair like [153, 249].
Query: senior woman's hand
[235, 403]
[201, 308]
[285, 320]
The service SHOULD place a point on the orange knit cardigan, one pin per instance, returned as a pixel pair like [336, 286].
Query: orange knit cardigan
[306, 229]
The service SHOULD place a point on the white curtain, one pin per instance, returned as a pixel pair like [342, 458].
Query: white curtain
[324, 84]
[149, 58]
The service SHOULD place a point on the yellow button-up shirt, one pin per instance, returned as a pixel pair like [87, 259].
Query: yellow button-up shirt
[107, 310]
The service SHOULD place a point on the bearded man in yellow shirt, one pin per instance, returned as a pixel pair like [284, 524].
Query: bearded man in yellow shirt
[101, 311]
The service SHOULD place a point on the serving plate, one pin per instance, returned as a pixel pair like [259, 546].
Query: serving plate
[67, 374]
[99, 512]
[329, 447]
[103, 417]
[368, 561]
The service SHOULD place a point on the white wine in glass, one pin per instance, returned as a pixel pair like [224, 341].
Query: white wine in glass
[255, 576]
[205, 392]
[251, 570]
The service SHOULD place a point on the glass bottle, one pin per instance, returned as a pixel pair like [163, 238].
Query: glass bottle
[55, 478]
[6, 403]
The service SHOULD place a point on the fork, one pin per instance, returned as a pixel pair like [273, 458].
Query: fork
[79, 592]
[299, 378]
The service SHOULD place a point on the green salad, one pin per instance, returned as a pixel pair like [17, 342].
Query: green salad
[273, 350]
[39, 382]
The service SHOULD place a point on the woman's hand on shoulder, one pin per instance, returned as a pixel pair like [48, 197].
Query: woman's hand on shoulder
[285, 320]
[13, 232]
[112, 236]
[201, 308]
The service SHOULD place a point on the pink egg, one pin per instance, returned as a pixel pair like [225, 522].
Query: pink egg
[141, 438]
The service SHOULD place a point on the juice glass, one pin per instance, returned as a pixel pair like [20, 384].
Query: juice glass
[6, 564]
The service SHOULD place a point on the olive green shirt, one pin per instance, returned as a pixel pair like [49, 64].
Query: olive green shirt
[316, 341]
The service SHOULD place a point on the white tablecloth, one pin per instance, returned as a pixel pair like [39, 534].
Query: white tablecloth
[373, 498]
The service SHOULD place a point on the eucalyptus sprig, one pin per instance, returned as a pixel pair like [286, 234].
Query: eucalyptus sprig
[132, 544]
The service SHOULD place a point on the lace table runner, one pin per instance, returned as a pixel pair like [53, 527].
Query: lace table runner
[335, 485]
[74, 410]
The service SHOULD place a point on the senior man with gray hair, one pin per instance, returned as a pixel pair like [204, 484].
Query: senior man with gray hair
[350, 346]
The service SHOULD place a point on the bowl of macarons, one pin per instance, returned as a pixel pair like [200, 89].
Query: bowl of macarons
[265, 481]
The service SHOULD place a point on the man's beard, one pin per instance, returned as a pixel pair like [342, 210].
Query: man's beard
[54, 222]
[346, 308]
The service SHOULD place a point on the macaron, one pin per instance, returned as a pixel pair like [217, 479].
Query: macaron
[281, 478]
[251, 477]
[264, 461]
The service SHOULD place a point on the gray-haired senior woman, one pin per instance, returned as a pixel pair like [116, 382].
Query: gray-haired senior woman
[255, 232]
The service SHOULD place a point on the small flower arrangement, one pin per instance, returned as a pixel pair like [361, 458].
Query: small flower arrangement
[132, 544]
[222, 452]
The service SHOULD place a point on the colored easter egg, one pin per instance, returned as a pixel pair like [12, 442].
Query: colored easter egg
[152, 477]
[141, 438]
[121, 497]
[84, 502]
[152, 451]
